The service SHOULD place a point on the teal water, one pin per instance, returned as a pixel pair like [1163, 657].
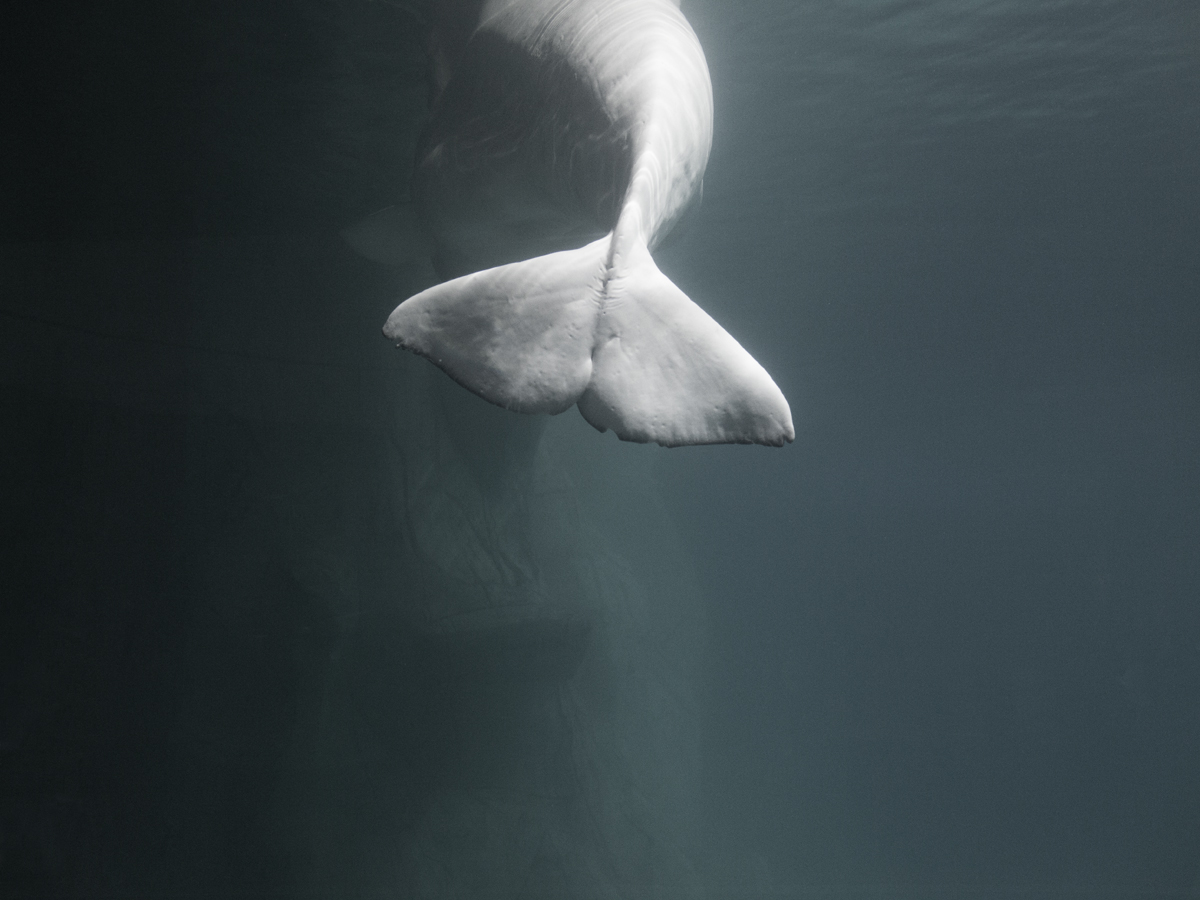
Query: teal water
[288, 614]
[957, 636]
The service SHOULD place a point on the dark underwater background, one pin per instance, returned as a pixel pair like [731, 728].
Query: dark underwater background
[947, 644]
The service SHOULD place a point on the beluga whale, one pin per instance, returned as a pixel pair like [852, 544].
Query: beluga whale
[566, 139]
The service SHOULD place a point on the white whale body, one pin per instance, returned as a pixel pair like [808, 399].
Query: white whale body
[571, 136]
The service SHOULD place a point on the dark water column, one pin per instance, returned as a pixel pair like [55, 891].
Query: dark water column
[294, 612]
[294, 539]
[284, 610]
[438, 648]
[92, 505]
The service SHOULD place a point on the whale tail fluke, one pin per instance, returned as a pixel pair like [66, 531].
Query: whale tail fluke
[610, 333]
